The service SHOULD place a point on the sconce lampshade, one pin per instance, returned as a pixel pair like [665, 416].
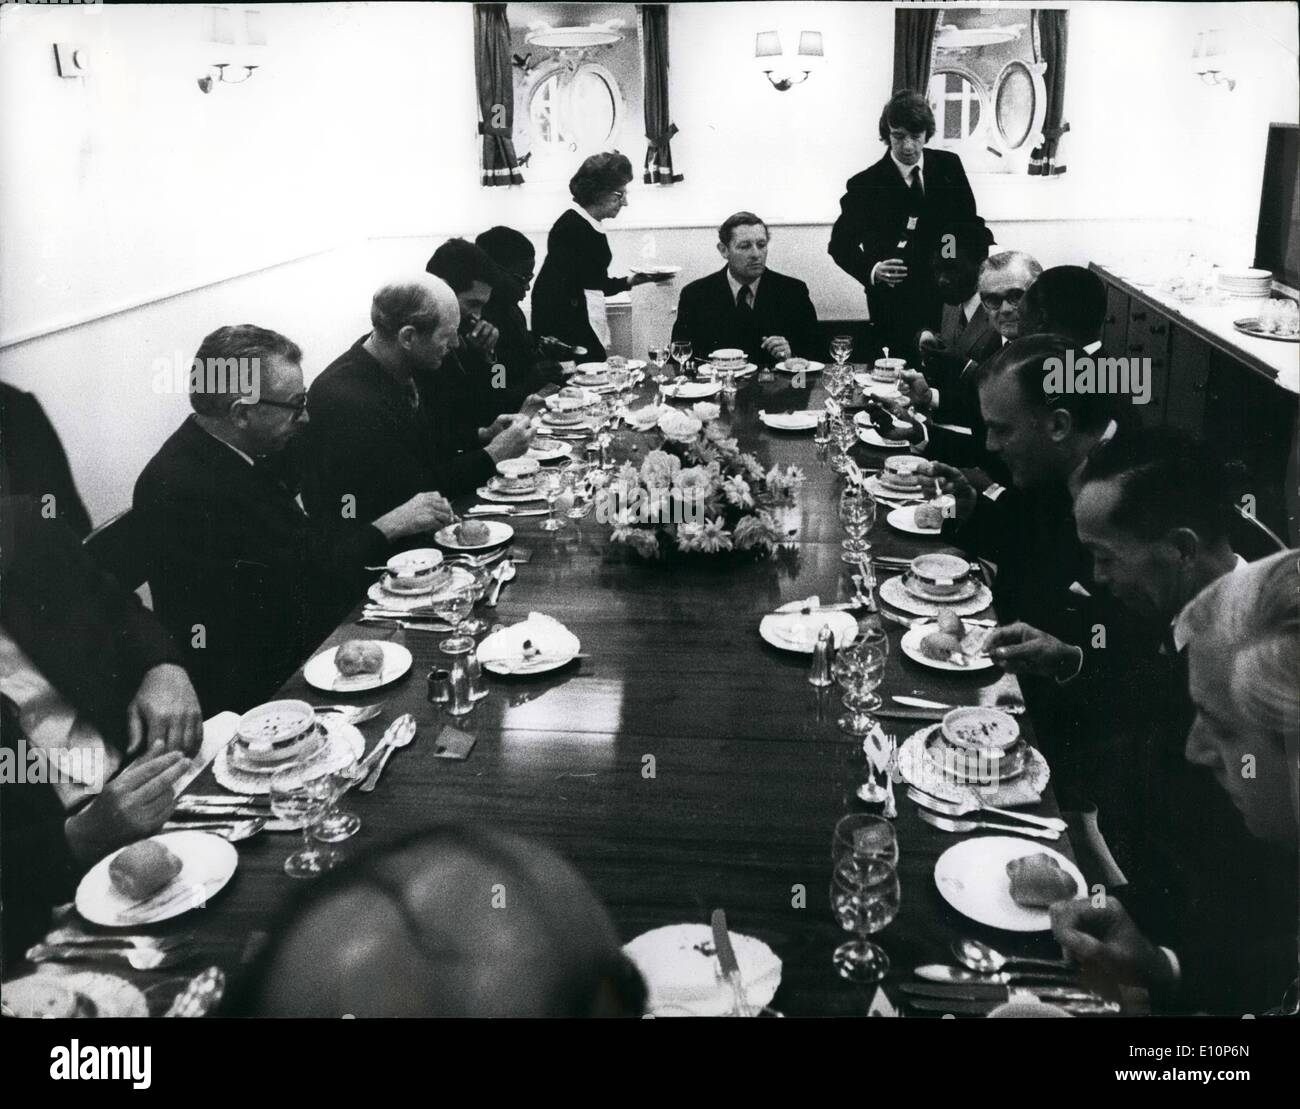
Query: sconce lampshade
[810, 44]
[767, 44]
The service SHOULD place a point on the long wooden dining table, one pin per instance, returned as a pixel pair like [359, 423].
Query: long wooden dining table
[683, 765]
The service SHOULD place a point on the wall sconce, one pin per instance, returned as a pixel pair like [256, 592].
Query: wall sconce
[222, 28]
[1209, 59]
[769, 54]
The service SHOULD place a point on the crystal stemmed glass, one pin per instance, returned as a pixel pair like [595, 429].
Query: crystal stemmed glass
[865, 896]
[549, 482]
[300, 795]
[336, 824]
[858, 515]
[480, 583]
[846, 434]
[841, 348]
[658, 359]
[579, 478]
[864, 836]
[453, 606]
[681, 354]
[863, 673]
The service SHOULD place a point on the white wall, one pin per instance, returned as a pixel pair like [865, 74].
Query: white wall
[284, 201]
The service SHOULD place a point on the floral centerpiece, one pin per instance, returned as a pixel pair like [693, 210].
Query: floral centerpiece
[697, 493]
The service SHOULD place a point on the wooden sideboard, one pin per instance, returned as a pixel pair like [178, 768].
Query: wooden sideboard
[1239, 393]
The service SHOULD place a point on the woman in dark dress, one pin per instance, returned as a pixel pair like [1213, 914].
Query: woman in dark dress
[569, 298]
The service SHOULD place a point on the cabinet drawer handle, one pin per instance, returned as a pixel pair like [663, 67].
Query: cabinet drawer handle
[1137, 317]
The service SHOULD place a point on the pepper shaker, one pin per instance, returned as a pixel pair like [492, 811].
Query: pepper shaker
[819, 674]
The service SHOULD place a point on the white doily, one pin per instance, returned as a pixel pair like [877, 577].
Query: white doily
[895, 594]
[341, 740]
[917, 770]
[459, 579]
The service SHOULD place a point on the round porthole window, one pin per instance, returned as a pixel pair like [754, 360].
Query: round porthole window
[575, 110]
[1018, 104]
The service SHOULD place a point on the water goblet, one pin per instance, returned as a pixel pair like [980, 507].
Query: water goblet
[549, 482]
[336, 824]
[658, 354]
[454, 606]
[479, 584]
[300, 794]
[858, 515]
[846, 434]
[865, 895]
[841, 348]
[681, 351]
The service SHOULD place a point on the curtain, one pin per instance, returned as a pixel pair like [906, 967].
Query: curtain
[496, 95]
[913, 47]
[1051, 28]
[659, 129]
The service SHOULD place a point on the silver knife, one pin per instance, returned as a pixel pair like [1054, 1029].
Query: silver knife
[940, 706]
[974, 1007]
[935, 972]
[727, 960]
[981, 992]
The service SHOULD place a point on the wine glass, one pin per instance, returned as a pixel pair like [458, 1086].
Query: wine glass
[863, 672]
[479, 584]
[681, 353]
[453, 606]
[578, 476]
[841, 348]
[336, 824]
[549, 482]
[864, 836]
[865, 896]
[846, 434]
[822, 433]
[858, 515]
[300, 795]
[658, 359]
[619, 377]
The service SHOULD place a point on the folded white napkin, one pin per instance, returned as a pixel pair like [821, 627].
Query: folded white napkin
[551, 638]
[792, 626]
[792, 420]
[217, 733]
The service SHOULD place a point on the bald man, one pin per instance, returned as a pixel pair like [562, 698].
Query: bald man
[446, 922]
[378, 434]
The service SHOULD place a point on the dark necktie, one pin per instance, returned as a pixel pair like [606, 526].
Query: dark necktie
[744, 302]
[918, 190]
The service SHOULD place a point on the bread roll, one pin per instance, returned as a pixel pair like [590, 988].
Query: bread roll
[1038, 881]
[142, 869]
[473, 532]
[927, 516]
[359, 656]
[950, 623]
[941, 646]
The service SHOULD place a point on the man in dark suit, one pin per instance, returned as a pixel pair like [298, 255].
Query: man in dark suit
[745, 305]
[244, 579]
[966, 333]
[891, 217]
[93, 692]
[383, 427]
[33, 462]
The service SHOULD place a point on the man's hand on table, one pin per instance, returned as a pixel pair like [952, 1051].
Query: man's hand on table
[1108, 946]
[777, 347]
[943, 478]
[136, 803]
[511, 441]
[165, 710]
[1023, 649]
[423, 512]
[914, 388]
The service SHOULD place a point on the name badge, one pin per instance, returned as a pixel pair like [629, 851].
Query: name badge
[911, 223]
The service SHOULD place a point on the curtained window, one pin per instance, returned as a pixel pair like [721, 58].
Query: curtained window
[496, 101]
[659, 128]
[995, 78]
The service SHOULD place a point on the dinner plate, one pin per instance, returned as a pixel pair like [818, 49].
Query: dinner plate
[207, 862]
[549, 450]
[683, 976]
[509, 498]
[811, 368]
[939, 759]
[791, 421]
[884, 493]
[460, 577]
[903, 518]
[559, 644]
[972, 878]
[98, 994]
[321, 673]
[911, 644]
[1251, 327]
[872, 438]
[893, 594]
[964, 591]
[777, 628]
[745, 371]
[345, 742]
[656, 269]
[876, 388]
[557, 403]
[692, 390]
[240, 761]
[498, 532]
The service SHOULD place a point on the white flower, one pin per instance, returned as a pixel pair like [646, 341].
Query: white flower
[736, 490]
[678, 426]
[705, 411]
[708, 537]
[659, 469]
[643, 419]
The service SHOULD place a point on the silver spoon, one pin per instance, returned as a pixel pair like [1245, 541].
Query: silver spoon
[979, 956]
[504, 572]
[946, 824]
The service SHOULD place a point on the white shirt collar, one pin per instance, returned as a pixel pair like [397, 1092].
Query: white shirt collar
[1092, 347]
[1178, 626]
[597, 224]
[735, 287]
[972, 306]
[906, 171]
[229, 446]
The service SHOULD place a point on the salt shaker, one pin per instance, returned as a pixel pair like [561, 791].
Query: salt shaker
[819, 673]
[478, 688]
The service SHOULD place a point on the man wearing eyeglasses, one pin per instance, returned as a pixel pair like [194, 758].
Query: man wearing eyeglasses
[246, 582]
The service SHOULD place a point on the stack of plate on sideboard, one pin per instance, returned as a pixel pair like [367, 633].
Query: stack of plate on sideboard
[1246, 283]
